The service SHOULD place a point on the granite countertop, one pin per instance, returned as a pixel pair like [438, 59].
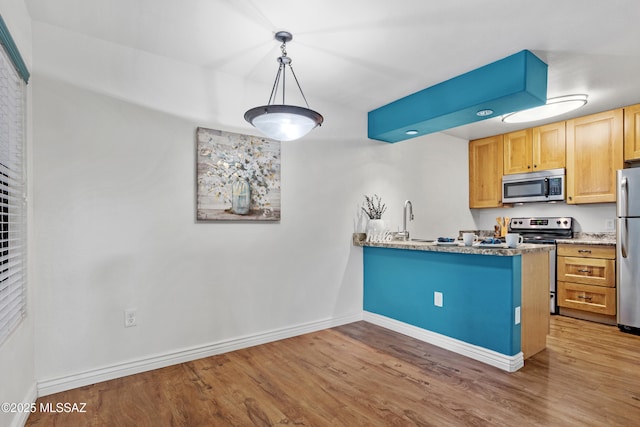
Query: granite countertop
[583, 238]
[359, 239]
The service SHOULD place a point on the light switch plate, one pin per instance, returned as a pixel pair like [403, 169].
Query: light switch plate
[437, 299]
[518, 315]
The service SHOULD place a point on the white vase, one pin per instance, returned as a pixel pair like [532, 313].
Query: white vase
[375, 230]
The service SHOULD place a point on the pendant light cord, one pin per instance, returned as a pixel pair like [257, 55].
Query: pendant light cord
[284, 60]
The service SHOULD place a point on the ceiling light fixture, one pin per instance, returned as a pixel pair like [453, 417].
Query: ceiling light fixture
[280, 121]
[553, 107]
[484, 113]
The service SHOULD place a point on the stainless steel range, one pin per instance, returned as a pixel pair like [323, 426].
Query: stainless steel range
[544, 230]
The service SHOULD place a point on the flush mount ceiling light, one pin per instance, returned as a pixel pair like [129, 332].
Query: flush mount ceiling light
[280, 121]
[553, 107]
[484, 113]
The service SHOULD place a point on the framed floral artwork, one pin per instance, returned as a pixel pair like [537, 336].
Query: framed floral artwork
[238, 177]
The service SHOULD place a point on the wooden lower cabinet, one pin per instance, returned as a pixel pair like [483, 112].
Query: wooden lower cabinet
[597, 299]
[589, 271]
[587, 278]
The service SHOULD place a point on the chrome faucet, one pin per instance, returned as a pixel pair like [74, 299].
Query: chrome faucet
[404, 234]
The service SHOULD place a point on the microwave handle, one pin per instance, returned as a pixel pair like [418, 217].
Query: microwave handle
[546, 187]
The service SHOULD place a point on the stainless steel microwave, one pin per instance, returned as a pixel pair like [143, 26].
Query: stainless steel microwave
[543, 186]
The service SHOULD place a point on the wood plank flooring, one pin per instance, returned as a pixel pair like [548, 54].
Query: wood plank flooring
[360, 374]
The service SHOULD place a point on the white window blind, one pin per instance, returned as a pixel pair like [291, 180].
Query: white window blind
[12, 198]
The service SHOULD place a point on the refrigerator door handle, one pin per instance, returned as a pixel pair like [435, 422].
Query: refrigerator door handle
[624, 197]
[624, 237]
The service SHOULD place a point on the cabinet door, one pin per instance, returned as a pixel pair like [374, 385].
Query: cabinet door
[517, 152]
[594, 154]
[596, 299]
[590, 271]
[632, 133]
[549, 144]
[485, 172]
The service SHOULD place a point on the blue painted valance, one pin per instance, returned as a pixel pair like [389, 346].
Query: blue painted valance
[514, 83]
[12, 50]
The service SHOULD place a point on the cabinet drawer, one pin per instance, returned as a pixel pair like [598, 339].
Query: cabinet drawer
[587, 251]
[597, 299]
[590, 271]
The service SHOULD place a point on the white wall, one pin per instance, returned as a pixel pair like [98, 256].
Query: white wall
[114, 159]
[17, 377]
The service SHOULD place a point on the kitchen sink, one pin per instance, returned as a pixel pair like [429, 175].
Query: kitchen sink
[415, 239]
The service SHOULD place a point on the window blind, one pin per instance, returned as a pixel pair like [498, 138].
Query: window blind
[12, 198]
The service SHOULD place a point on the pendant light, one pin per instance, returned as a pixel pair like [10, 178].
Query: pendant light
[280, 121]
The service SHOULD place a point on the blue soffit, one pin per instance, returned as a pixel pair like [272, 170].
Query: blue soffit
[514, 83]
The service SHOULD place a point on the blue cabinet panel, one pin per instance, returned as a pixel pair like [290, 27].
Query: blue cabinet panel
[480, 294]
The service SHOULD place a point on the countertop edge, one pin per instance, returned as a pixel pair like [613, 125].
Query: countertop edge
[358, 240]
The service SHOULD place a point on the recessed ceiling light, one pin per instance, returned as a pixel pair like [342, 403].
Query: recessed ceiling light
[553, 107]
[484, 113]
[412, 132]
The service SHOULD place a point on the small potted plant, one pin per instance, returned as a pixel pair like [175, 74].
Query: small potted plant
[374, 208]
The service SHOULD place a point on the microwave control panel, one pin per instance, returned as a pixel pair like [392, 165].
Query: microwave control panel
[555, 186]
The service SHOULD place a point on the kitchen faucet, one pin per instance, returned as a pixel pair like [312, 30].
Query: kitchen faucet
[404, 234]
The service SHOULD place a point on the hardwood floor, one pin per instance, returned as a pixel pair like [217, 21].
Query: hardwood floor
[361, 374]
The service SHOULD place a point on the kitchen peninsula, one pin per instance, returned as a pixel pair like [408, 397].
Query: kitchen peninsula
[490, 304]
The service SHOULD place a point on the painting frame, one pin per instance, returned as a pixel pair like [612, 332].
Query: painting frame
[237, 177]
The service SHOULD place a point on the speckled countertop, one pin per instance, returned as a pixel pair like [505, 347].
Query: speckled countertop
[582, 238]
[359, 239]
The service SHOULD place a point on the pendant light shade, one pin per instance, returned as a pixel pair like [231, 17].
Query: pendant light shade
[280, 121]
[283, 122]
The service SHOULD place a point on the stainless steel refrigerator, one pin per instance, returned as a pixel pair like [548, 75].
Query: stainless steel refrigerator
[628, 250]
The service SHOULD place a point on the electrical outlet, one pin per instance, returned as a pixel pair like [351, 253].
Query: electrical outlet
[437, 299]
[517, 315]
[130, 318]
[609, 225]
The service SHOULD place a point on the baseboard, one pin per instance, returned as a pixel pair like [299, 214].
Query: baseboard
[490, 357]
[20, 418]
[81, 379]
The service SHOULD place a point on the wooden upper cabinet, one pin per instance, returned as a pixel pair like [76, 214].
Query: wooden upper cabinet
[549, 144]
[536, 149]
[517, 152]
[594, 154]
[632, 133]
[485, 172]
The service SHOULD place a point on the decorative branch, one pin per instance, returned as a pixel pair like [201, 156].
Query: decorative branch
[373, 207]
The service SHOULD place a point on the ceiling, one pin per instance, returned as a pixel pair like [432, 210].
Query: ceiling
[366, 53]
